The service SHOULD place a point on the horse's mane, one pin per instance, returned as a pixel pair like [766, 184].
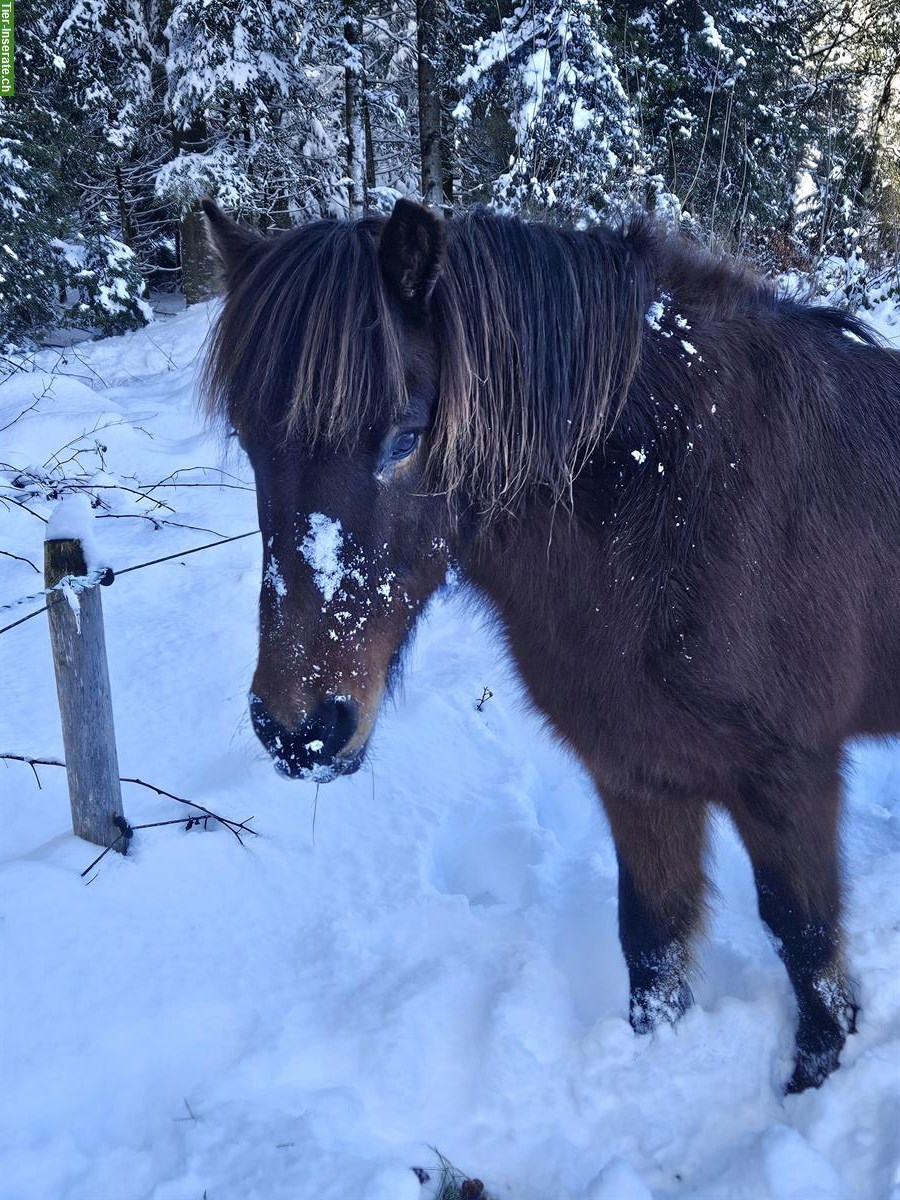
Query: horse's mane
[539, 332]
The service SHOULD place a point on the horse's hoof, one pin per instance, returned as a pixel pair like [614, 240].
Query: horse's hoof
[822, 1033]
[811, 1070]
[819, 1055]
[650, 1007]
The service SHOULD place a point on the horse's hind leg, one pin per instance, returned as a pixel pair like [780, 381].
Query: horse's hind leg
[788, 817]
[660, 843]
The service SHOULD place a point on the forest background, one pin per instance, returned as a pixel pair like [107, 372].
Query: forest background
[769, 129]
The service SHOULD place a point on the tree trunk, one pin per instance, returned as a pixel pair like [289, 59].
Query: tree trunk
[353, 121]
[124, 214]
[371, 180]
[428, 13]
[199, 271]
[882, 110]
[198, 265]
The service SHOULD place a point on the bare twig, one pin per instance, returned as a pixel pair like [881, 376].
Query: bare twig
[19, 504]
[239, 487]
[158, 522]
[79, 358]
[36, 402]
[171, 480]
[32, 762]
[101, 856]
[74, 485]
[13, 366]
[235, 827]
[191, 1114]
[19, 558]
[85, 433]
[173, 365]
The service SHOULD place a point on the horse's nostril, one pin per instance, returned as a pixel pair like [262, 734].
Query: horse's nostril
[312, 744]
[274, 736]
[265, 726]
[336, 719]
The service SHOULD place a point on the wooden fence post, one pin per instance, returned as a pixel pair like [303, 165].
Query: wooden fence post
[85, 704]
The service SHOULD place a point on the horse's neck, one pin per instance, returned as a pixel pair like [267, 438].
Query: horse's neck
[514, 560]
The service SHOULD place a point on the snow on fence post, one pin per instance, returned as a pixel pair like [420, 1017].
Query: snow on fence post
[85, 704]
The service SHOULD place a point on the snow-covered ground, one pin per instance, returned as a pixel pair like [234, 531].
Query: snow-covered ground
[433, 963]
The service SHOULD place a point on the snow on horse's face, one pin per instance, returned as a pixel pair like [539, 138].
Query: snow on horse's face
[353, 541]
[351, 555]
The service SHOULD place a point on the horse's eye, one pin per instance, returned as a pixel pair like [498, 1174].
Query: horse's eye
[404, 444]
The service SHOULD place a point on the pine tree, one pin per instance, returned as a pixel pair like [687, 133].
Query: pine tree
[851, 207]
[724, 102]
[105, 274]
[64, 138]
[32, 204]
[428, 33]
[548, 81]
[231, 70]
[391, 105]
[106, 48]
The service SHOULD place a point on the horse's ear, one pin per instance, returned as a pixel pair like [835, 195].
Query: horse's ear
[412, 253]
[231, 242]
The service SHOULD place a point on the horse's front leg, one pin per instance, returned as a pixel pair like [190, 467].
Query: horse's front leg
[660, 842]
[788, 814]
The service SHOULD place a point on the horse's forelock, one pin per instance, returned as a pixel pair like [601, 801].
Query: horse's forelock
[537, 331]
[306, 342]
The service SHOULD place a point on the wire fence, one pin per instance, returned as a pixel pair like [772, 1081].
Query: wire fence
[85, 702]
[75, 584]
[76, 626]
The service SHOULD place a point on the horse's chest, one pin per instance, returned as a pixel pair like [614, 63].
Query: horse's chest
[580, 653]
[592, 649]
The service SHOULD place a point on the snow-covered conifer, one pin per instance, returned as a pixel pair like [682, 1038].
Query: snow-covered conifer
[548, 77]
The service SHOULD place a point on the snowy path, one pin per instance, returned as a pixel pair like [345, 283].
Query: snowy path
[302, 1020]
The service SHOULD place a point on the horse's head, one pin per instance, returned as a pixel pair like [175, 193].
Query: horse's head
[401, 387]
[324, 363]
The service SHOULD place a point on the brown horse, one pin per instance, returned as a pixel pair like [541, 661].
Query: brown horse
[679, 492]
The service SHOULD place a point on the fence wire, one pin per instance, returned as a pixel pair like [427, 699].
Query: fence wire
[81, 583]
[75, 583]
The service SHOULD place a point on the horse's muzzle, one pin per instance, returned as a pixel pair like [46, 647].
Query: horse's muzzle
[312, 750]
